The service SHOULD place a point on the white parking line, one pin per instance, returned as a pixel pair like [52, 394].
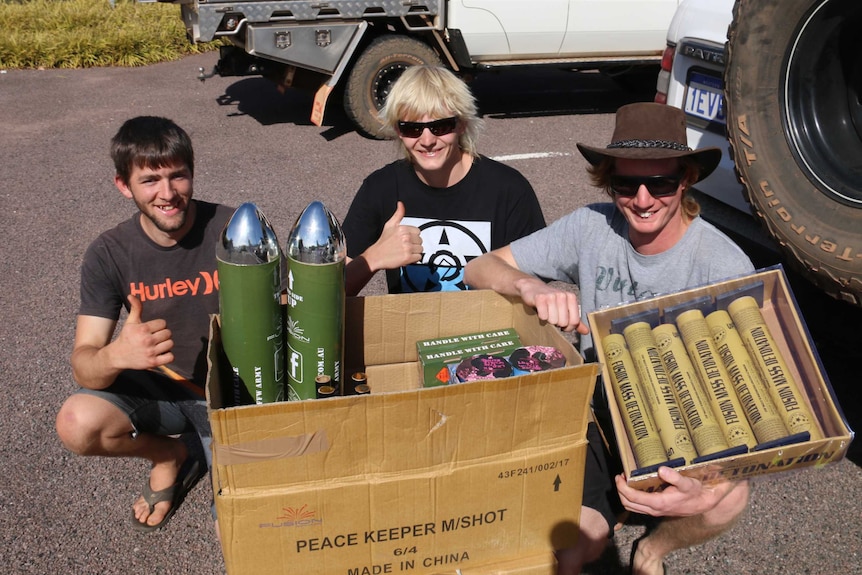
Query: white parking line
[537, 155]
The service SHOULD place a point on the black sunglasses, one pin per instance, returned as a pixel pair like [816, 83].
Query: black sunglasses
[437, 127]
[658, 186]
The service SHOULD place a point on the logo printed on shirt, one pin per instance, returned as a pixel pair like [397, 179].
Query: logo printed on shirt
[609, 280]
[204, 284]
[447, 246]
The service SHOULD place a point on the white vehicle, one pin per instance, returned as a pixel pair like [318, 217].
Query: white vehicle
[362, 46]
[777, 84]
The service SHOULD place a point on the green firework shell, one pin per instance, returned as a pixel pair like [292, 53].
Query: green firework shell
[315, 302]
[248, 259]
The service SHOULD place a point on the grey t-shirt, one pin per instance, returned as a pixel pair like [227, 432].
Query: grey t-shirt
[590, 248]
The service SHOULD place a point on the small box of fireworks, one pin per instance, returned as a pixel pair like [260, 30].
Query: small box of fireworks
[720, 381]
[441, 358]
[474, 476]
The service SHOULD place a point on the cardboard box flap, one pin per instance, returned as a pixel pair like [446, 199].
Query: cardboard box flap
[363, 436]
[385, 329]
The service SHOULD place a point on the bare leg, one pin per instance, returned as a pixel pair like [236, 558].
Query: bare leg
[89, 425]
[592, 541]
[675, 533]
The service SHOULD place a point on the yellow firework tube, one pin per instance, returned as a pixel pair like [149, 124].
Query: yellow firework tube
[763, 417]
[658, 393]
[716, 381]
[702, 424]
[643, 435]
[783, 389]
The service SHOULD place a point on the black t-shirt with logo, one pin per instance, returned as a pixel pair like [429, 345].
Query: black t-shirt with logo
[492, 206]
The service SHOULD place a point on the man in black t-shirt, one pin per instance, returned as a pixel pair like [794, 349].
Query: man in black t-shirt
[422, 218]
[142, 386]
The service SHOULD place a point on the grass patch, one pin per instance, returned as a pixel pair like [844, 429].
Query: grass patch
[90, 33]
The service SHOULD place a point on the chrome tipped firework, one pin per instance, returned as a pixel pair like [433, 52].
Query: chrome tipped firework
[316, 252]
[248, 260]
[785, 392]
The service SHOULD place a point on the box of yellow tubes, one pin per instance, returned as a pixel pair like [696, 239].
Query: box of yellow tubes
[719, 382]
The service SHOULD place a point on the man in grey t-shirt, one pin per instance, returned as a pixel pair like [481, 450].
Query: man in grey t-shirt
[590, 247]
[649, 241]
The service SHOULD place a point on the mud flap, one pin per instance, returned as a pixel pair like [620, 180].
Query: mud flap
[319, 106]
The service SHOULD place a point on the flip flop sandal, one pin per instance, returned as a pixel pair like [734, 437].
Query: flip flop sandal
[186, 479]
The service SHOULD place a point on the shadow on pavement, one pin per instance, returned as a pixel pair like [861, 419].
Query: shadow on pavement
[552, 92]
[259, 98]
[525, 92]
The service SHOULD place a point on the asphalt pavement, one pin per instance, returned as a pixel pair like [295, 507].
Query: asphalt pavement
[60, 513]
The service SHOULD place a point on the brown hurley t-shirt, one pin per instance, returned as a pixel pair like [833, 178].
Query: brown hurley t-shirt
[178, 284]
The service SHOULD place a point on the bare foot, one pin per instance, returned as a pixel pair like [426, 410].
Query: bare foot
[644, 561]
[163, 474]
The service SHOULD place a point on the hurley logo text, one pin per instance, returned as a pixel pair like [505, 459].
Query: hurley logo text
[203, 284]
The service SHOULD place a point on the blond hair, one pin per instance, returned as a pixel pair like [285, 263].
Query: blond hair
[436, 92]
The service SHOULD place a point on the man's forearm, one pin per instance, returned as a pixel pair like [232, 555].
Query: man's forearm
[490, 271]
[92, 367]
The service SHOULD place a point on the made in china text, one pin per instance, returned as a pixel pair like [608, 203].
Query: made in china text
[409, 564]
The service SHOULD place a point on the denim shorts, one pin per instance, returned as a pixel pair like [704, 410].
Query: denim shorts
[156, 404]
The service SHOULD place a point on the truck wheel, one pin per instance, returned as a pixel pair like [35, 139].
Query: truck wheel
[373, 74]
[793, 85]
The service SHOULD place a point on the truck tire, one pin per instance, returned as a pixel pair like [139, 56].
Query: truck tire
[373, 74]
[793, 86]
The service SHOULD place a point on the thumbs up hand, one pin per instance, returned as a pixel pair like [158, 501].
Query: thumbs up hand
[398, 245]
[144, 345]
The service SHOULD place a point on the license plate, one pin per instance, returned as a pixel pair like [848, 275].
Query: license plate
[704, 98]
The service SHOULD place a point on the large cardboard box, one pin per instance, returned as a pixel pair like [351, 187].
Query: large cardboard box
[481, 477]
[782, 316]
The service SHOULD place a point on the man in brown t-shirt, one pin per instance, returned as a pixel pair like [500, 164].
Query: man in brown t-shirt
[143, 385]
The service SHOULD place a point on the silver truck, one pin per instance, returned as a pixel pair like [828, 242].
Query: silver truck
[358, 48]
[778, 85]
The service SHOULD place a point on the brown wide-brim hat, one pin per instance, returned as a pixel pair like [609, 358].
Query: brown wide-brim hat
[652, 131]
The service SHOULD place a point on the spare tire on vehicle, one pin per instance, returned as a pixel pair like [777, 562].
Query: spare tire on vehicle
[793, 85]
[375, 71]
